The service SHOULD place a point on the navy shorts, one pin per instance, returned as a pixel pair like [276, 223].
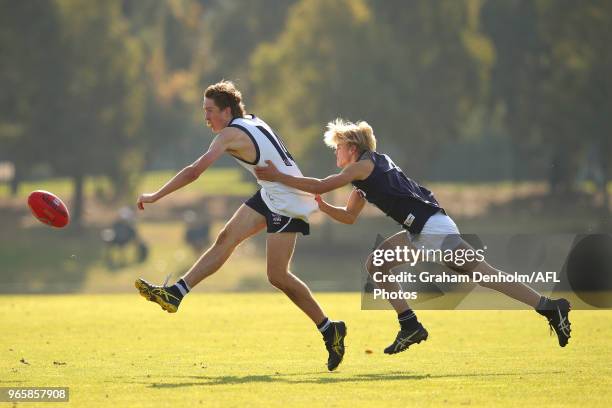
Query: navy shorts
[276, 222]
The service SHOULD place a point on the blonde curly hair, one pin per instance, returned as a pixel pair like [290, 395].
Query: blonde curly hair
[359, 134]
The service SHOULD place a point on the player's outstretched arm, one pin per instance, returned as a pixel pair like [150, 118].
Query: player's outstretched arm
[190, 173]
[356, 171]
[345, 215]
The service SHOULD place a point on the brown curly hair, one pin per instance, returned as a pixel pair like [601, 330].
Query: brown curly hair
[225, 94]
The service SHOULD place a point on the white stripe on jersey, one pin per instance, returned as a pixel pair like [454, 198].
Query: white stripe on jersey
[280, 198]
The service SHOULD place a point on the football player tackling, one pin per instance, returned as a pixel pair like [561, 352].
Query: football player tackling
[425, 224]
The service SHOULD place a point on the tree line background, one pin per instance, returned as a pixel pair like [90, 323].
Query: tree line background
[456, 90]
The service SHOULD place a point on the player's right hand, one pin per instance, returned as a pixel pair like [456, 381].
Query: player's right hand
[267, 173]
[319, 199]
[145, 198]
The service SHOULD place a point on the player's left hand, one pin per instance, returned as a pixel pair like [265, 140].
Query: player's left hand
[268, 173]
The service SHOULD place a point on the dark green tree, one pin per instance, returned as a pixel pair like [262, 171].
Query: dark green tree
[234, 29]
[551, 80]
[175, 54]
[32, 80]
[102, 105]
[405, 67]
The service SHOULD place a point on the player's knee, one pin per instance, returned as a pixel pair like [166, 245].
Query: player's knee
[278, 281]
[225, 238]
[374, 265]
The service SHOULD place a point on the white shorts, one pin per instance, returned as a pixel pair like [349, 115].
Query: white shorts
[439, 232]
[298, 204]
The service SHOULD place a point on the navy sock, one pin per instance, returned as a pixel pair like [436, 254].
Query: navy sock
[182, 287]
[407, 319]
[324, 326]
[543, 306]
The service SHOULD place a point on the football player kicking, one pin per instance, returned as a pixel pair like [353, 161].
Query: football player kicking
[425, 224]
[282, 210]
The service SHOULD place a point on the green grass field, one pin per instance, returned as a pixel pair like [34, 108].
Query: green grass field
[259, 350]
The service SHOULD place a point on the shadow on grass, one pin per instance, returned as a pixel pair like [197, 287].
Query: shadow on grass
[324, 378]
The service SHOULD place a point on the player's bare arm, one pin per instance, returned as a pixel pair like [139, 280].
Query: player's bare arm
[347, 214]
[355, 171]
[223, 142]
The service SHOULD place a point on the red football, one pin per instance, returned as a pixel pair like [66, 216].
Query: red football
[48, 208]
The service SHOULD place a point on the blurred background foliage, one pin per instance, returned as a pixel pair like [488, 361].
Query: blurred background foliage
[459, 92]
[114, 88]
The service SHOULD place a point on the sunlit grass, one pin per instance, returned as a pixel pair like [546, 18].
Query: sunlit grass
[260, 350]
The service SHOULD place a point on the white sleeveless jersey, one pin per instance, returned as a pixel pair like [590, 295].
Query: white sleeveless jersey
[279, 198]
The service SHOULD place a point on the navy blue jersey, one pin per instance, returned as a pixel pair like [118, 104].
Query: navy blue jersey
[398, 196]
